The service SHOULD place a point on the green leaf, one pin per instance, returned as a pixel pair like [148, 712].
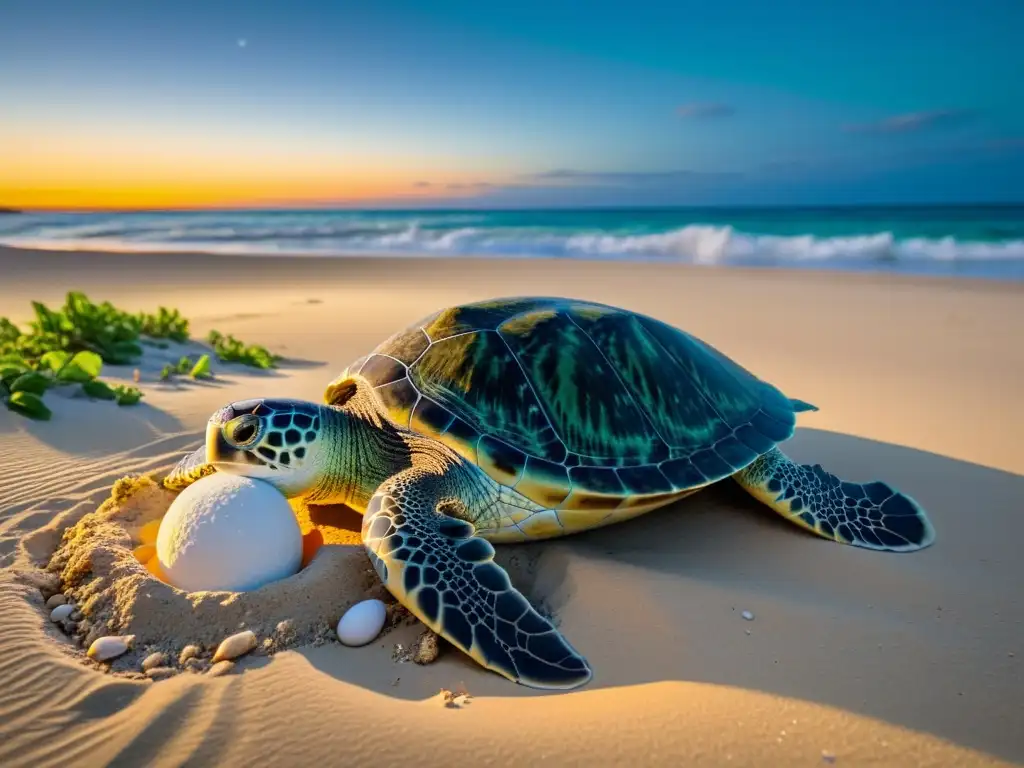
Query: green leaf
[29, 405]
[84, 366]
[121, 352]
[128, 395]
[55, 360]
[32, 382]
[8, 373]
[99, 389]
[167, 372]
[201, 370]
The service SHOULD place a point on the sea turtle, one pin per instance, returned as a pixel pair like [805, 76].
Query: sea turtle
[520, 419]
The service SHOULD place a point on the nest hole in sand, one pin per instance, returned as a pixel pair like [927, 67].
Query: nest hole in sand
[105, 565]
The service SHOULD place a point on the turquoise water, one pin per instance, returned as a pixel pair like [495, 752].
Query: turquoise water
[986, 241]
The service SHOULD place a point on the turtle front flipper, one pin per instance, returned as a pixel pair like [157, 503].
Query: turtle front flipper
[438, 568]
[188, 470]
[870, 515]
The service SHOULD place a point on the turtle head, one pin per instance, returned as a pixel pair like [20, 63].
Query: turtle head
[278, 441]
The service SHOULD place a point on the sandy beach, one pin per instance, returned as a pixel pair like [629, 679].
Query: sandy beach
[853, 657]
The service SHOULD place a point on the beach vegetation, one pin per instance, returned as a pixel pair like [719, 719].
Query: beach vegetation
[231, 350]
[69, 346]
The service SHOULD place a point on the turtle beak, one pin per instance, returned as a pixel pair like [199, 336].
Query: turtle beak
[218, 450]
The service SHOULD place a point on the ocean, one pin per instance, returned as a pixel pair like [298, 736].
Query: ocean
[975, 241]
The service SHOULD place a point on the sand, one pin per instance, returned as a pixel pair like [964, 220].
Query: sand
[852, 657]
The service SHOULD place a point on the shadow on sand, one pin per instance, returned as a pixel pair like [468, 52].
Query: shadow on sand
[921, 639]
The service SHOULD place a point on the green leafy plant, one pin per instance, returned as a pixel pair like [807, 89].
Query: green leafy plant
[231, 350]
[99, 390]
[70, 345]
[125, 395]
[30, 405]
[201, 370]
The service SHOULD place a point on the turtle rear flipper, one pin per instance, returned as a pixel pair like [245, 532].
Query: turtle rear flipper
[188, 470]
[870, 515]
[438, 568]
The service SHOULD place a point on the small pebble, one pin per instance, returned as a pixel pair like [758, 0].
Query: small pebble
[747, 615]
[56, 600]
[197, 665]
[154, 660]
[161, 673]
[61, 612]
[426, 647]
[235, 646]
[188, 652]
[827, 756]
[221, 668]
[362, 622]
[109, 647]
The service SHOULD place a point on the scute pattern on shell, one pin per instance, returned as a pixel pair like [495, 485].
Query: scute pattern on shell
[595, 401]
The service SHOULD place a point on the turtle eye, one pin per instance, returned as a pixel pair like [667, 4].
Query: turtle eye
[242, 432]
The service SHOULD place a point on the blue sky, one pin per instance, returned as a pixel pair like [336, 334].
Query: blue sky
[519, 104]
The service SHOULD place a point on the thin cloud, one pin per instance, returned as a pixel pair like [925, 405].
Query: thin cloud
[703, 110]
[913, 122]
[627, 178]
[422, 184]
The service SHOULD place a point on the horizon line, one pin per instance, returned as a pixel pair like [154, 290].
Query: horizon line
[326, 208]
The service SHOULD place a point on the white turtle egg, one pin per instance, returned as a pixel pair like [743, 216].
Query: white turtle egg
[226, 532]
[362, 622]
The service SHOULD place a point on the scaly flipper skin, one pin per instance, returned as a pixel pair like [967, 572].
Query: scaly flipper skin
[869, 515]
[436, 566]
[188, 470]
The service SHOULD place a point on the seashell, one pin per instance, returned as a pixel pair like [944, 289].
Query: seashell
[362, 622]
[188, 652]
[56, 600]
[154, 660]
[61, 612]
[221, 668]
[234, 646]
[110, 646]
[160, 673]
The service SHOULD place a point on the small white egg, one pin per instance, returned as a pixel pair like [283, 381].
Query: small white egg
[362, 622]
[226, 532]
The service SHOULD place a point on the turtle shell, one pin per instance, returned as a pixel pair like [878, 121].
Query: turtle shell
[577, 405]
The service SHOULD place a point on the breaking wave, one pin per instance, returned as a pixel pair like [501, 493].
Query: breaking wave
[490, 234]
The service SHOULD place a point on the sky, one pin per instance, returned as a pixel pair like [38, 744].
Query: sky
[532, 103]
